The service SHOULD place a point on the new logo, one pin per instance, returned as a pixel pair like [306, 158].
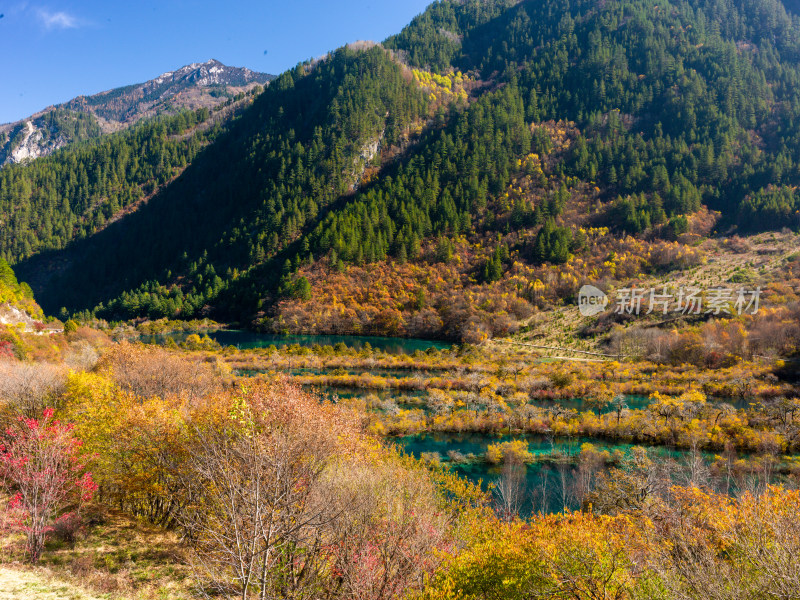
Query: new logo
[591, 301]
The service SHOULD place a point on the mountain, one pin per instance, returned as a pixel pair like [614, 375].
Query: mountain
[194, 86]
[49, 203]
[199, 85]
[479, 164]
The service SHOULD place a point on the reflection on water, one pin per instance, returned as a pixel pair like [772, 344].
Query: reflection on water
[350, 393]
[548, 487]
[549, 484]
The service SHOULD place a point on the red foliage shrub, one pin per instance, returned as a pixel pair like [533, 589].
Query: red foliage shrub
[44, 474]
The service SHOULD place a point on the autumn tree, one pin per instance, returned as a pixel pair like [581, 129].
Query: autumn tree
[564, 557]
[710, 546]
[288, 499]
[511, 490]
[600, 399]
[149, 371]
[44, 474]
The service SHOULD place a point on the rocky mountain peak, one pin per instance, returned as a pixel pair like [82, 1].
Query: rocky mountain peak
[193, 86]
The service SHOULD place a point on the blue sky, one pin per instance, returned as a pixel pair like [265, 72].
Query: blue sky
[54, 51]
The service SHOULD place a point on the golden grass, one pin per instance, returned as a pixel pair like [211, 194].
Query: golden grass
[16, 584]
[119, 558]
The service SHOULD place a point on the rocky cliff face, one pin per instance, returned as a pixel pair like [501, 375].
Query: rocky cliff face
[11, 315]
[35, 142]
[198, 85]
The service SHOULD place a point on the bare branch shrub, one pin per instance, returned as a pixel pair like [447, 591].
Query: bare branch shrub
[511, 490]
[721, 548]
[81, 356]
[290, 501]
[389, 526]
[149, 371]
[27, 388]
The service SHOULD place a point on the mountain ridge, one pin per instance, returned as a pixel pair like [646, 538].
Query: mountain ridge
[193, 86]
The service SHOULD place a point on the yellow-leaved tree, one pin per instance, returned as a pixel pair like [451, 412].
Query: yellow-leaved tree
[578, 556]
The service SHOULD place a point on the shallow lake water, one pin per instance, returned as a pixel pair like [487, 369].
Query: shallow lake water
[549, 485]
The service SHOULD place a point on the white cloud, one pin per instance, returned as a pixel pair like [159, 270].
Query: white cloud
[57, 20]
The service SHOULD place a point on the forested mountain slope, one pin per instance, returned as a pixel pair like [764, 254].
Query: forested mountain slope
[480, 147]
[304, 144]
[78, 190]
[694, 101]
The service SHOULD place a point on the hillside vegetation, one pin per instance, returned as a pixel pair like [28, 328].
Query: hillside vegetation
[161, 473]
[15, 294]
[494, 137]
[461, 181]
